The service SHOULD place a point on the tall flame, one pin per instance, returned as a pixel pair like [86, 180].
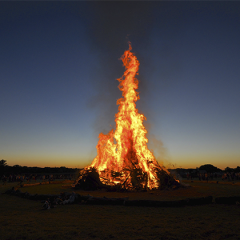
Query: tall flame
[122, 154]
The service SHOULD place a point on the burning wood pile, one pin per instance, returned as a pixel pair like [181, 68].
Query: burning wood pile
[123, 160]
[127, 180]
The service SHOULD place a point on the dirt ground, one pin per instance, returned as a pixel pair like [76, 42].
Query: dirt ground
[25, 219]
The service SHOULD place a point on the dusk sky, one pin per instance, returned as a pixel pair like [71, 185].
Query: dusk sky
[59, 62]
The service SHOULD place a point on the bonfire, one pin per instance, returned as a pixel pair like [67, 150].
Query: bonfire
[123, 160]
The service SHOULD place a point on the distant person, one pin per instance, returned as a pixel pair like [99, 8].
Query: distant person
[4, 179]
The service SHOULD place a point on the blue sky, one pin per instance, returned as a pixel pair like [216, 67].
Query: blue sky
[60, 61]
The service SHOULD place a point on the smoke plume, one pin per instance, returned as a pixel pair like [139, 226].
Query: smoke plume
[110, 29]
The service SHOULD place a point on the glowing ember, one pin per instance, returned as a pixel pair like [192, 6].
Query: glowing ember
[123, 158]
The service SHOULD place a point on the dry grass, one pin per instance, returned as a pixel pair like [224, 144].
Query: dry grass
[196, 189]
[25, 219]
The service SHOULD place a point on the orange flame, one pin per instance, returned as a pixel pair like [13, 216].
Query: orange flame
[115, 162]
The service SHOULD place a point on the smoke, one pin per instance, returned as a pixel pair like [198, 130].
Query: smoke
[111, 26]
[158, 149]
[114, 21]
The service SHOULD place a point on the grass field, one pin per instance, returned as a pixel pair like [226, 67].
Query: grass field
[25, 219]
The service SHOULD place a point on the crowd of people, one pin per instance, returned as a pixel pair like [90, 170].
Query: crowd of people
[63, 199]
[20, 178]
[204, 176]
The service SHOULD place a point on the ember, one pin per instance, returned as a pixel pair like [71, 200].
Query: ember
[123, 159]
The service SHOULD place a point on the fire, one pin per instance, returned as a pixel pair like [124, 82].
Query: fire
[123, 157]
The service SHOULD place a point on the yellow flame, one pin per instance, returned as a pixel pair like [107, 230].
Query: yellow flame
[130, 150]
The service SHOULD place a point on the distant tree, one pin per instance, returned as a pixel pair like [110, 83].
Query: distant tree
[16, 169]
[209, 168]
[237, 169]
[17, 166]
[228, 169]
[3, 163]
[62, 169]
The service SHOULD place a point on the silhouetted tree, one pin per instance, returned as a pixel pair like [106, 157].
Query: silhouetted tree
[228, 169]
[209, 168]
[237, 169]
[3, 165]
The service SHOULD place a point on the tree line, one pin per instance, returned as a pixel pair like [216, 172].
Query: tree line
[17, 169]
[208, 171]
